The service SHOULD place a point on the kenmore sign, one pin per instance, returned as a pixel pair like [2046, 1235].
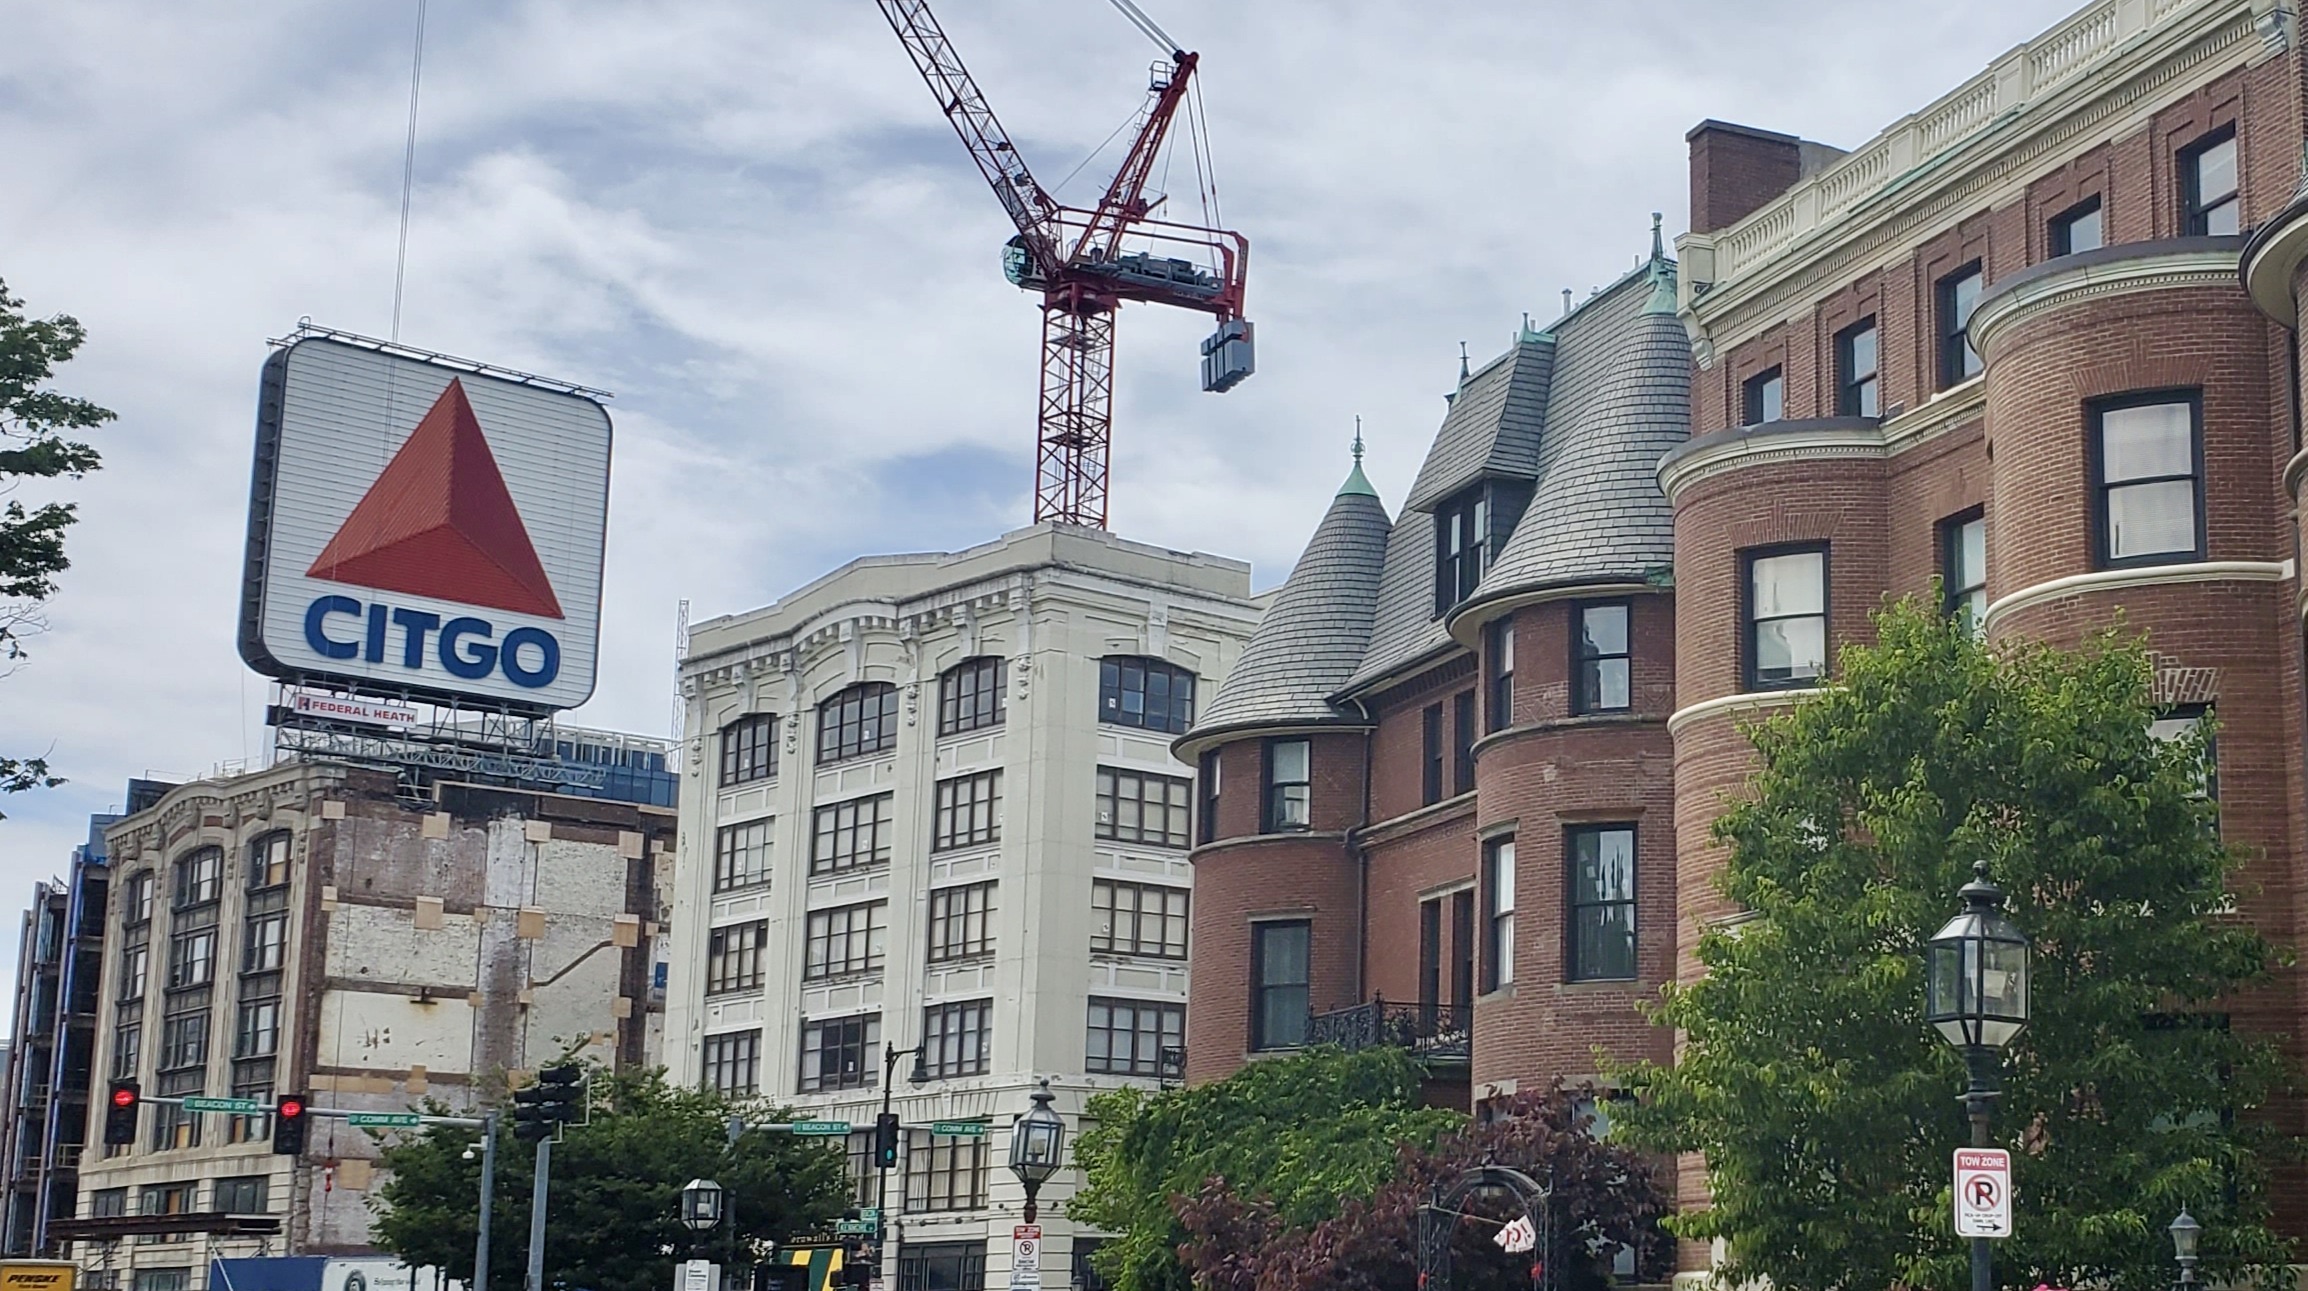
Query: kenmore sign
[423, 527]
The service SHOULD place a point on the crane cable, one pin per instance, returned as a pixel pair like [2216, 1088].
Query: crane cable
[1147, 26]
[408, 169]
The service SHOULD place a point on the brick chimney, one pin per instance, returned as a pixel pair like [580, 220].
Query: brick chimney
[1735, 169]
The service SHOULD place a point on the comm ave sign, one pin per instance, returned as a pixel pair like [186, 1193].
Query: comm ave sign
[384, 1120]
[963, 1129]
[1982, 1192]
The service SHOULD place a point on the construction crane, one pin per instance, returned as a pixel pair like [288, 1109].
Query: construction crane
[1086, 262]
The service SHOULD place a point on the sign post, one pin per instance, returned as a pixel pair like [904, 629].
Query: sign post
[1026, 1257]
[1982, 1192]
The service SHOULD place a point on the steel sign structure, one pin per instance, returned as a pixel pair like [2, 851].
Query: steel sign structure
[424, 528]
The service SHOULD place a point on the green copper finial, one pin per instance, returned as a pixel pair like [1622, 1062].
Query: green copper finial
[1462, 362]
[1662, 299]
[1356, 481]
[1658, 239]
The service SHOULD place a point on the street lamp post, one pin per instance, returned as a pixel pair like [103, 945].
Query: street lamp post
[2186, 1232]
[884, 1160]
[704, 1205]
[1976, 995]
[1037, 1141]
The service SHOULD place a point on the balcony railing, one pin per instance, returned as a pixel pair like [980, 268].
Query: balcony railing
[1427, 1030]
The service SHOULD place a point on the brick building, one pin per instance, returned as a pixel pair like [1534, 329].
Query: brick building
[2037, 338]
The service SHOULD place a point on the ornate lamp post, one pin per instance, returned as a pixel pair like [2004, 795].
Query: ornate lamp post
[1036, 1143]
[2186, 1232]
[1976, 994]
[703, 1206]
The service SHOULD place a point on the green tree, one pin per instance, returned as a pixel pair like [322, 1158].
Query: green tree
[1824, 1105]
[1300, 1135]
[35, 425]
[612, 1221]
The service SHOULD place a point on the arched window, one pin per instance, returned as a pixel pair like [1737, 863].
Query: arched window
[749, 749]
[199, 877]
[1148, 693]
[970, 695]
[858, 722]
[268, 861]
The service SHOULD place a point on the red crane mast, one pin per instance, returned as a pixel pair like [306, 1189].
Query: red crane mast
[1085, 263]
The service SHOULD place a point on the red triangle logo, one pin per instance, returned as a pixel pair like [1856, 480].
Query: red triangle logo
[438, 522]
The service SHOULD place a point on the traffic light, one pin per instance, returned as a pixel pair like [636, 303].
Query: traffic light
[529, 1120]
[289, 1117]
[563, 1088]
[120, 1113]
[886, 1140]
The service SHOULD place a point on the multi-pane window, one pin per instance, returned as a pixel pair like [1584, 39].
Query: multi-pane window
[2182, 720]
[1206, 826]
[256, 1034]
[173, 1279]
[1603, 659]
[749, 749]
[107, 1203]
[2147, 486]
[252, 1080]
[268, 861]
[1958, 295]
[136, 898]
[943, 1266]
[128, 1045]
[858, 722]
[1498, 913]
[1138, 807]
[192, 954]
[264, 935]
[957, 1039]
[1289, 786]
[199, 877]
[970, 696]
[1763, 397]
[1280, 961]
[846, 939]
[733, 1062]
[244, 1195]
[1146, 693]
[733, 957]
[184, 1030]
[1858, 371]
[841, 1053]
[2208, 184]
[863, 1170]
[1602, 932]
[2078, 228]
[1127, 1037]
[847, 835]
[969, 811]
[167, 1199]
[1463, 742]
[1499, 651]
[1786, 618]
[1137, 919]
[1462, 546]
[961, 922]
[135, 961]
[945, 1172]
[741, 855]
[1963, 569]
[1431, 755]
[172, 1126]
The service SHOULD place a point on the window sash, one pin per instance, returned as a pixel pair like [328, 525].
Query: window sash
[1786, 618]
[850, 835]
[1289, 767]
[961, 922]
[1858, 365]
[1604, 662]
[1501, 651]
[957, 1039]
[1963, 570]
[1143, 919]
[741, 855]
[859, 722]
[969, 811]
[1206, 824]
[1139, 807]
[733, 1062]
[1498, 914]
[749, 749]
[1958, 296]
[1127, 1037]
[1764, 397]
[2079, 228]
[2147, 479]
[1145, 693]
[191, 958]
[1602, 902]
[733, 957]
[970, 696]
[2209, 173]
[199, 878]
[944, 1173]
[846, 939]
[1431, 750]
[268, 861]
[841, 1053]
[1280, 955]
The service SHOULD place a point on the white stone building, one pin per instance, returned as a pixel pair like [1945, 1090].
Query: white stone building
[928, 802]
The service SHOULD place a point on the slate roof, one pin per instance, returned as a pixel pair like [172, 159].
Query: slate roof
[1621, 399]
[1318, 625]
[1494, 425]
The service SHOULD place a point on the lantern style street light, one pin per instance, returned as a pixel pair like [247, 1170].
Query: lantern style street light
[1037, 1141]
[701, 1204]
[2186, 1232]
[1976, 996]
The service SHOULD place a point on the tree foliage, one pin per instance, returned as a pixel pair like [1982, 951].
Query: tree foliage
[1603, 1198]
[35, 444]
[612, 1221]
[1827, 1109]
[1299, 1134]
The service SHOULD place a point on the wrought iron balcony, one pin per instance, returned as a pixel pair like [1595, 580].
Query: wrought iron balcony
[1429, 1030]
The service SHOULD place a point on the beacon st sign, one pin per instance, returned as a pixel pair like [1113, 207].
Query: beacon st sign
[424, 528]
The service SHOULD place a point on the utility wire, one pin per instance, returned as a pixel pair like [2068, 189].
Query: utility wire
[408, 169]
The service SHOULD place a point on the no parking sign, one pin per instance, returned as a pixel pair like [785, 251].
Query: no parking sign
[1982, 1192]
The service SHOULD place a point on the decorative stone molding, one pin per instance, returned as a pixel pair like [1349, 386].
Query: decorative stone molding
[2115, 580]
[1744, 702]
[1812, 440]
[2123, 270]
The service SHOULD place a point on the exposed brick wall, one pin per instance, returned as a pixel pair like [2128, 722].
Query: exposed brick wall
[1281, 876]
[1735, 169]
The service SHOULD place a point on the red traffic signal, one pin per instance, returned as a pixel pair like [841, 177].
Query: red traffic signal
[124, 1095]
[288, 1124]
[120, 1116]
[290, 1107]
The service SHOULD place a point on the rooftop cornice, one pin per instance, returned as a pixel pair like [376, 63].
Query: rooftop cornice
[2121, 270]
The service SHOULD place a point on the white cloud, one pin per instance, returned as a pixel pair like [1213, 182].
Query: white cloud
[750, 222]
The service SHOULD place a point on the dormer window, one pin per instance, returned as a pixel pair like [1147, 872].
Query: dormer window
[1469, 527]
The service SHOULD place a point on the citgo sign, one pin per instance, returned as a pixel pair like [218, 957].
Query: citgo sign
[425, 528]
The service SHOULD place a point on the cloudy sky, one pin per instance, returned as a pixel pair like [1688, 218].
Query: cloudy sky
[749, 222]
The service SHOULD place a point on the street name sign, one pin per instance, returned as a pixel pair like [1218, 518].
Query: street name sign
[818, 1127]
[1026, 1257]
[1982, 1192]
[965, 1129]
[384, 1120]
[860, 1227]
[239, 1106]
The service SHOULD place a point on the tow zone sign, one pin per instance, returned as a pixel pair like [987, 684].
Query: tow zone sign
[1982, 1192]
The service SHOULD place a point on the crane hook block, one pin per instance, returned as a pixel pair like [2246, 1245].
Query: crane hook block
[1229, 356]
